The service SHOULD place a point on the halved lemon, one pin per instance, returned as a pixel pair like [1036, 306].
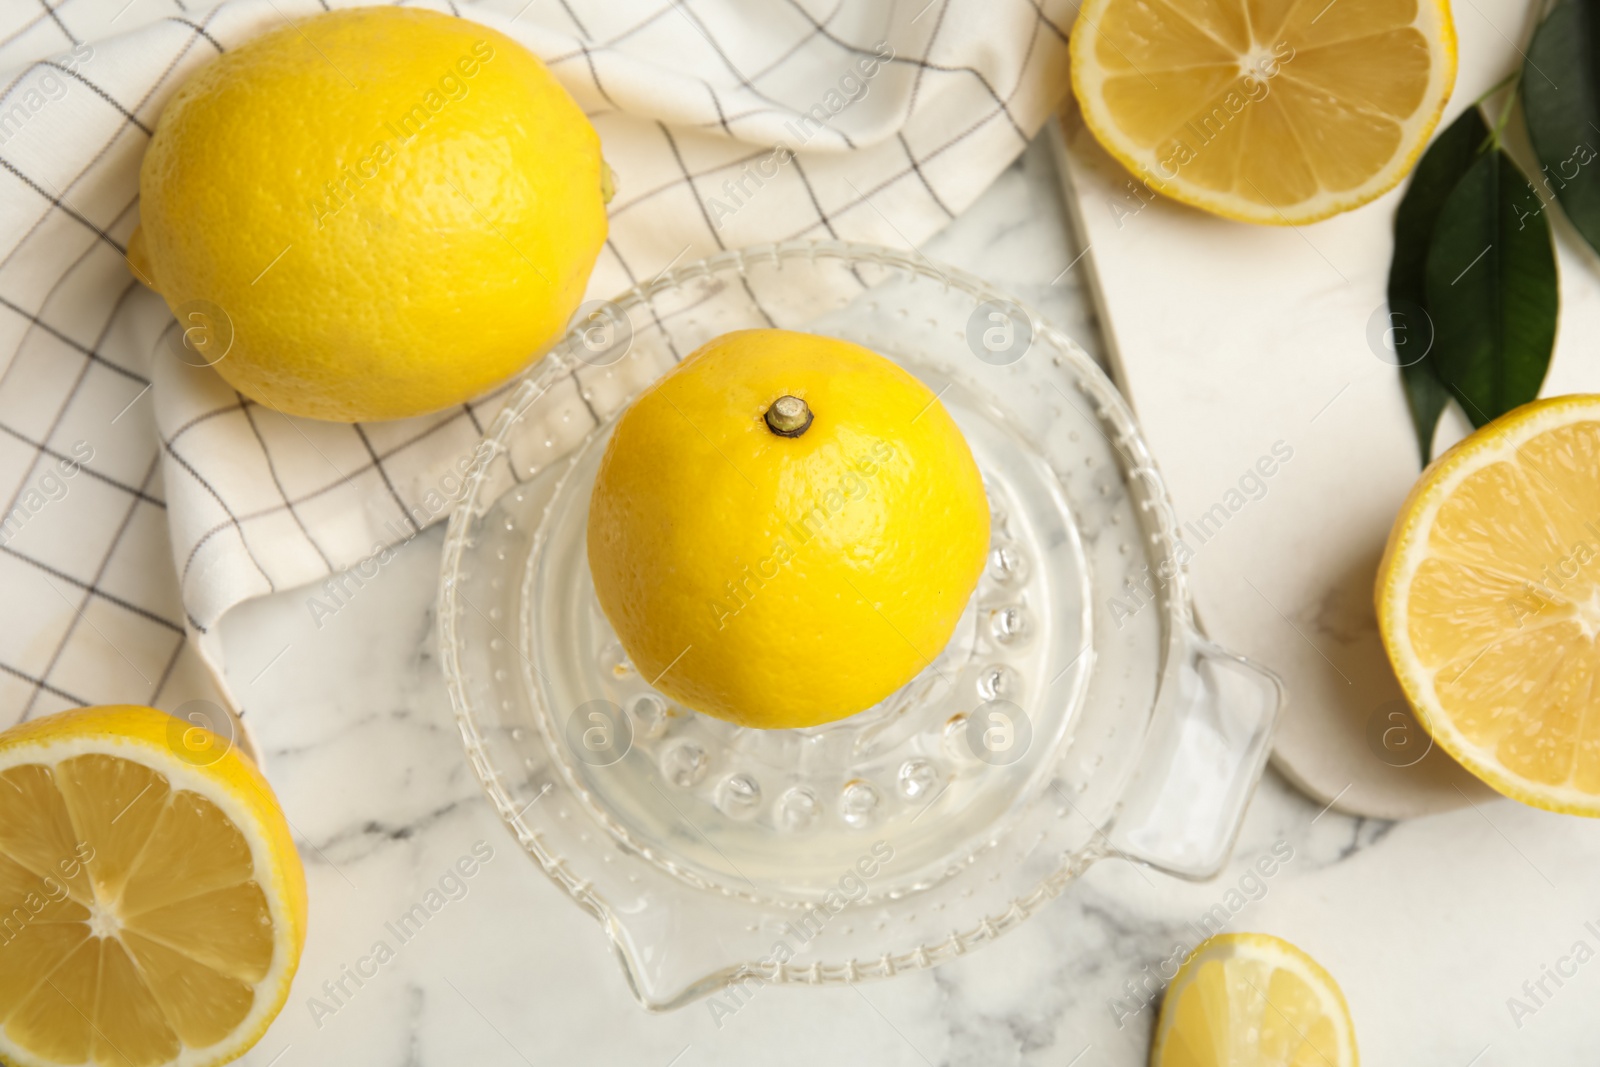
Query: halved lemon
[152, 904]
[1253, 1000]
[1271, 111]
[1488, 599]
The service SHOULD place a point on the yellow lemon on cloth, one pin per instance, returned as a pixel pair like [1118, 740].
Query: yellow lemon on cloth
[1488, 600]
[785, 529]
[1253, 1000]
[371, 214]
[1272, 111]
[152, 904]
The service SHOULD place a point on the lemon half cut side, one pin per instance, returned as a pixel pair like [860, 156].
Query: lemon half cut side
[152, 904]
[1268, 111]
[1488, 600]
[1253, 1000]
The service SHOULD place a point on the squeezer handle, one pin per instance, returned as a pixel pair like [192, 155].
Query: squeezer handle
[1209, 737]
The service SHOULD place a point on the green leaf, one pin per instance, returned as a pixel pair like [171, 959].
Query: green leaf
[1410, 327]
[1561, 101]
[1491, 285]
[1426, 396]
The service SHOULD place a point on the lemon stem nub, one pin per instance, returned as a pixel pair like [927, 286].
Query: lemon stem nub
[788, 416]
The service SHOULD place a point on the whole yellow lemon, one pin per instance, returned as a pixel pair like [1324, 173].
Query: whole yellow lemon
[371, 214]
[785, 529]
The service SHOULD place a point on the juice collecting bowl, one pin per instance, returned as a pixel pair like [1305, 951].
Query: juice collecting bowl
[1078, 712]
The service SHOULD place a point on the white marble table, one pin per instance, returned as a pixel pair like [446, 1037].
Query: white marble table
[1430, 926]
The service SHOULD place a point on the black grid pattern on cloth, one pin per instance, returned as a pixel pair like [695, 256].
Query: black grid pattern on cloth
[143, 498]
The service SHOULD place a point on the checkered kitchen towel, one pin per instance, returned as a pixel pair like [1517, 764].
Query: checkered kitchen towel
[142, 498]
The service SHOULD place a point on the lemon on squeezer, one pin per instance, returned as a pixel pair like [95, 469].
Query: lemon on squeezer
[152, 904]
[785, 529]
[370, 214]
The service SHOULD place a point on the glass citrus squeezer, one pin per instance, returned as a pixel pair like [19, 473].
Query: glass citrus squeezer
[1077, 714]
